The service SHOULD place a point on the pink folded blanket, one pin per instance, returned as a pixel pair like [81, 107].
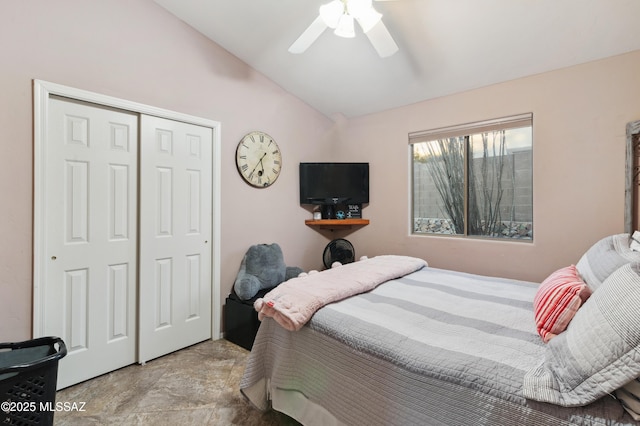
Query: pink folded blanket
[294, 302]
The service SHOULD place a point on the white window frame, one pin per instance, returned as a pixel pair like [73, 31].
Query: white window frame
[505, 123]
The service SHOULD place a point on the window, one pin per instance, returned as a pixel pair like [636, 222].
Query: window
[474, 179]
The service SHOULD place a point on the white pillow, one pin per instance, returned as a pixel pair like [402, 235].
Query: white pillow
[604, 257]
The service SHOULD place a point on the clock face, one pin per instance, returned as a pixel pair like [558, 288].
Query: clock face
[258, 159]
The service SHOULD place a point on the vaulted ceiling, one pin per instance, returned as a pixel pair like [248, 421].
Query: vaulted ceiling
[445, 46]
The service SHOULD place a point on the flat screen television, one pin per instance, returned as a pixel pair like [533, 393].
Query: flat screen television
[334, 183]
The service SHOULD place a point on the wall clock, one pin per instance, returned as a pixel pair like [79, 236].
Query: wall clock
[258, 159]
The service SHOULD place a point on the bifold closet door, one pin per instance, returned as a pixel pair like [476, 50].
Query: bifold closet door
[175, 236]
[90, 244]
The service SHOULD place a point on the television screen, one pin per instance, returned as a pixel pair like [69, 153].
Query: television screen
[334, 183]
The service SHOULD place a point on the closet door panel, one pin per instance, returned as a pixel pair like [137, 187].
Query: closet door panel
[175, 236]
[91, 237]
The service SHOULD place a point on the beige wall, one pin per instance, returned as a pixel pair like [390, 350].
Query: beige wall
[137, 51]
[579, 118]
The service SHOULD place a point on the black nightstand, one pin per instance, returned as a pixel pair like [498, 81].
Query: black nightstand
[241, 320]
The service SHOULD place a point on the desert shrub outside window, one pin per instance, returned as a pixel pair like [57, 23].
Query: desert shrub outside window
[474, 179]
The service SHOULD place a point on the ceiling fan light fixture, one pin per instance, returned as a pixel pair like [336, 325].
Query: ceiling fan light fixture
[331, 13]
[339, 15]
[345, 27]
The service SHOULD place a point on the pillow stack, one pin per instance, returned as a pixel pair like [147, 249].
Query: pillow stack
[599, 352]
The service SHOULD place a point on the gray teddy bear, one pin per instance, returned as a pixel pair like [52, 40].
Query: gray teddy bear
[262, 267]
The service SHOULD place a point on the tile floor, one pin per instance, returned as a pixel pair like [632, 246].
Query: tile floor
[198, 385]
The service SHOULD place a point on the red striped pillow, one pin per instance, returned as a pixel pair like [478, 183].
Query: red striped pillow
[557, 301]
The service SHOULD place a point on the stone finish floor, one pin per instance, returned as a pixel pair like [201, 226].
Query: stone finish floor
[198, 385]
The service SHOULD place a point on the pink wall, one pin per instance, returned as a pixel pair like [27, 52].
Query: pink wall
[135, 50]
[579, 117]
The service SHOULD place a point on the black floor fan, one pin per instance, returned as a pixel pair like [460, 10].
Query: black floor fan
[338, 250]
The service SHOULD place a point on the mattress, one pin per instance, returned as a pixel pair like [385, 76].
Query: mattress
[434, 347]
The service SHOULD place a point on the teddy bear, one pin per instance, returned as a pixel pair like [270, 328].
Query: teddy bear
[262, 267]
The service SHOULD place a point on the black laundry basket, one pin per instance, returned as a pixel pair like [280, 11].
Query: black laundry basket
[28, 379]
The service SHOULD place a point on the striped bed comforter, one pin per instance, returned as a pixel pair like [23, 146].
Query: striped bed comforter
[434, 347]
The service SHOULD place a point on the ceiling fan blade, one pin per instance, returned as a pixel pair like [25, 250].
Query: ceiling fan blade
[381, 40]
[309, 35]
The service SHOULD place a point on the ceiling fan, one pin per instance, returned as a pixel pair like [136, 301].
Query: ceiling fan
[340, 15]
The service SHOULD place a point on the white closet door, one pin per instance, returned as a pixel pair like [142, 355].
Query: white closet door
[91, 237]
[175, 236]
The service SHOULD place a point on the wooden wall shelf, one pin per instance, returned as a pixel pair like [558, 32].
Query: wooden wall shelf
[336, 223]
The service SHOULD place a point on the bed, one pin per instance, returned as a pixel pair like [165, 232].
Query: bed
[438, 347]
